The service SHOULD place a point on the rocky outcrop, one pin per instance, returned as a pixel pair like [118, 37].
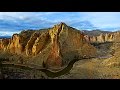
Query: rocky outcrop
[30, 43]
[116, 37]
[53, 47]
[4, 44]
[54, 58]
[108, 37]
[40, 43]
[68, 43]
[15, 45]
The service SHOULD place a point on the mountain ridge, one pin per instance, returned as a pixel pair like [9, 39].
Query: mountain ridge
[18, 25]
[54, 46]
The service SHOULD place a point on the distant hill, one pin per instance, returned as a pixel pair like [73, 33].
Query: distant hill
[83, 25]
[1, 37]
[95, 32]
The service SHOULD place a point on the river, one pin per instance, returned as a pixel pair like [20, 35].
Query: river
[49, 73]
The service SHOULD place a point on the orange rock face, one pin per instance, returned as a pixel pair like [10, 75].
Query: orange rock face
[40, 43]
[53, 46]
[4, 44]
[30, 44]
[54, 58]
[15, 44]
[68, 43]
[108, 37]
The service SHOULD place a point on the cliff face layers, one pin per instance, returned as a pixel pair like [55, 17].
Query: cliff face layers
[53, 47]
[15, 45]
[108, 37]
[4, 44]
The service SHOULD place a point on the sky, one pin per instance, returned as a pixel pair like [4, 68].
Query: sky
[14, 22]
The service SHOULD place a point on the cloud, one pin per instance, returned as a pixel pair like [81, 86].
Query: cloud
[8, 33]
[103, 19]
[16, 21]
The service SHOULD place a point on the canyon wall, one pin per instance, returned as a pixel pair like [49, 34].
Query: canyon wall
[108, 37]
[53, 47]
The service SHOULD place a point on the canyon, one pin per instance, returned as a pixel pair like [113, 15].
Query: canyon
[62, 52]
[54, 47]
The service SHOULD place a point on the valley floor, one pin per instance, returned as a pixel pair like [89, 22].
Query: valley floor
[92, 69]
[105, 66]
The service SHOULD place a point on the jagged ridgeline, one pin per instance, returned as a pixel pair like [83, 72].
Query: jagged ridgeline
[53, 47]
[102, 36]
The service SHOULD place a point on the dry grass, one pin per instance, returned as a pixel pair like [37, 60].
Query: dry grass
[97, 68]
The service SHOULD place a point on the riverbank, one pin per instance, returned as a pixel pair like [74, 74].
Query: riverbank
[48, 72]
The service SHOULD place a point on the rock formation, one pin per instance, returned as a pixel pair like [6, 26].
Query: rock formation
[15, 45]
[108, 37]
[53, 47]
[4, 44]
[30, 43]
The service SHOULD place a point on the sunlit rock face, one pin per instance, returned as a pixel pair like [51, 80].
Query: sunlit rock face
[30, 43]
[4, 44]
[15, 45]
[101, 38]
[117, 36]
[68, 43]
[53, 47]
[108, 37]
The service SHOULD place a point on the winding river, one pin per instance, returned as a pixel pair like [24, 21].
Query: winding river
[49, 73]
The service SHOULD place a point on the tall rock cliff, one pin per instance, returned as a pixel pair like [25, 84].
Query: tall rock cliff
[4, 44]
[15, 45]
[53, 46]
